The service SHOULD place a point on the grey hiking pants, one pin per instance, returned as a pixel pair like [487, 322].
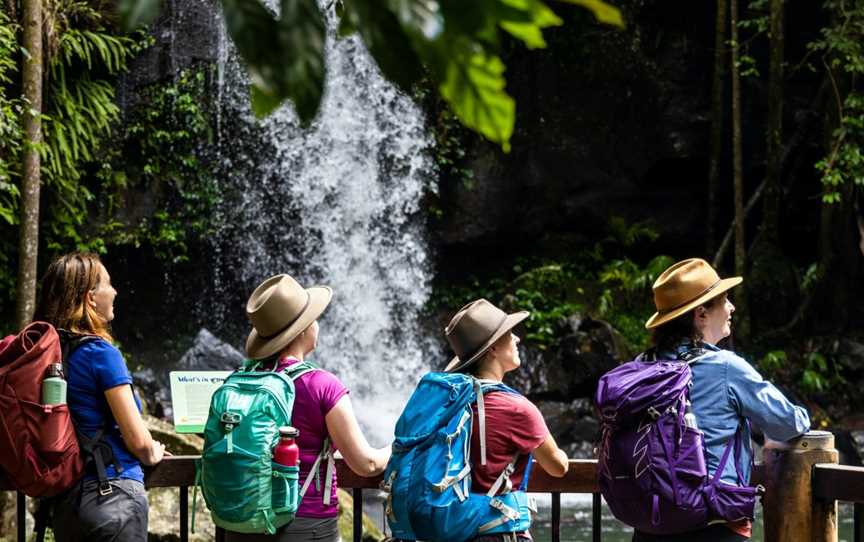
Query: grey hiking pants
[299, 530]
[85, 515]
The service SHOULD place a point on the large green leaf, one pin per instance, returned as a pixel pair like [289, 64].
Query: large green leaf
[284, 57]
[532, 16]
[604, 12]
[385, 38]
[137, 13]
[474, 87]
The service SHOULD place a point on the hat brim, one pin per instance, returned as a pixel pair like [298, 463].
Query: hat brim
[511, 321]
[260, 348]
[725, 284]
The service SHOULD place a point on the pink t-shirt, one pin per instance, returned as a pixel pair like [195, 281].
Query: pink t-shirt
[316, 393]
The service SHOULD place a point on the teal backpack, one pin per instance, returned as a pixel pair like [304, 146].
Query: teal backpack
[245, 490]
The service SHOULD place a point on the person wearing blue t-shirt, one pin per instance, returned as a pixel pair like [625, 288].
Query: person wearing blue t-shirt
[693, 314]
[77, 298]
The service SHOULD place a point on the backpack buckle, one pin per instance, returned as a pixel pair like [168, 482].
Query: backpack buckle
[230, 419]
[654, 413]
[105, 489]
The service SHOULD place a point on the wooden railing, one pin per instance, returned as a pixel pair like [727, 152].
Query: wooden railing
[802, 479]
[832, 483]
[179, 471]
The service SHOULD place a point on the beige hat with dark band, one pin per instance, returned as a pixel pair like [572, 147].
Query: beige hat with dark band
[474, 329]
[280, 309]
[685, 286]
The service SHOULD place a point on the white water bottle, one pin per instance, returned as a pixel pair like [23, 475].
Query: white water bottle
[689, 417]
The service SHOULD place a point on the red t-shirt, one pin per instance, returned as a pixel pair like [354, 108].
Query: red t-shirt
[513, 425]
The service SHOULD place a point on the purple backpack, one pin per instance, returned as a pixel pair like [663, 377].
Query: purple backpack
[652, 463]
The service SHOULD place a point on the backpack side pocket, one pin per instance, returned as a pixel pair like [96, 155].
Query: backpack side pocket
[284, 492]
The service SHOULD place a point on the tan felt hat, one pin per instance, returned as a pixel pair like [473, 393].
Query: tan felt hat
[684, 286]
[280, 309]
[474, 329]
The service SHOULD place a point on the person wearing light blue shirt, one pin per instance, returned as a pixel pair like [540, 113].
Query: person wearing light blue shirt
[693, 314]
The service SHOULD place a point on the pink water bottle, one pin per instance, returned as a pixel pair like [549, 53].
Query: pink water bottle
[286, 451]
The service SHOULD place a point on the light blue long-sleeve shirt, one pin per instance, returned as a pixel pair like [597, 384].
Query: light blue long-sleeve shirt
[727, 391]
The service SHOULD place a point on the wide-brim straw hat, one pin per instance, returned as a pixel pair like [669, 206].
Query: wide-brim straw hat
[279, 310]
[474, 329]
[683, 287]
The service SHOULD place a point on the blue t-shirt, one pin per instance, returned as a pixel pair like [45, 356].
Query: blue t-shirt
[94, 367]
[726, 391]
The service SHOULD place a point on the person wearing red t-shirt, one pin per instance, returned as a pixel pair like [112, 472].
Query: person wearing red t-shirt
[486, 348]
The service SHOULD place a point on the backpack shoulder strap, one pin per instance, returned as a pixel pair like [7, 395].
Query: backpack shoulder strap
[299, 369]
[692, 355]
[96, 448]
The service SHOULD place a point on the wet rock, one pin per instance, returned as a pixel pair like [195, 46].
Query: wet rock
[573, 425]
[207, 353]
[584, 148]
[371, 533]
[176, 443]
[164, 518]
[858, 439]
[573, 365]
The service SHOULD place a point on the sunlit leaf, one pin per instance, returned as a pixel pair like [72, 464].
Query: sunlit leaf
[605, 13]
[474, 88]
[534, 16]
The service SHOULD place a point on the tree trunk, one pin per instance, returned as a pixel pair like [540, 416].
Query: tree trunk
[716, 123]
[28, 248]
[771, 202]
[738, 174]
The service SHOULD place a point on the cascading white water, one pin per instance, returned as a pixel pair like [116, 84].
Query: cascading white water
[337, 203]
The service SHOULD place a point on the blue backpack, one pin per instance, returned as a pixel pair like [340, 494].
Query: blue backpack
[429, 474]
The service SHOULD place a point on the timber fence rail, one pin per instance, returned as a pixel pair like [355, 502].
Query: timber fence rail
[179, 471]
[803, 485]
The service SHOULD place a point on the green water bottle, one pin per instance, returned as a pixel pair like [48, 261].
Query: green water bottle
[54, 386]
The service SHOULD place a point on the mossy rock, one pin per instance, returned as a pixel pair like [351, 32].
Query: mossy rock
[176, 443]
[371, 533]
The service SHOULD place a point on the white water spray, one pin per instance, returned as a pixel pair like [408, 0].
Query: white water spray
[338, 203]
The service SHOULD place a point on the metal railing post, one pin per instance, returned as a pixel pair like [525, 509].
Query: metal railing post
[856, 515]
[556, 516]
[791, 512]
[21, 516]
[184, 513]
[358, 514]
[596, 517]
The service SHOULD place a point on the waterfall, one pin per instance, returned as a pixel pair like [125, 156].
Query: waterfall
[337, 203]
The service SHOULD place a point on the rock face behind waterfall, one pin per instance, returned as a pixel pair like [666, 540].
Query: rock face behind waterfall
[207, 353]
[561, 380]
[571, 367]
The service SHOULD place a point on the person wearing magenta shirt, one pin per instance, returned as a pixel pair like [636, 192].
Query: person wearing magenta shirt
[514, 426]
[285, 331]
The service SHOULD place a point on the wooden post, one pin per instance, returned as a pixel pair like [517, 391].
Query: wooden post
[791, 512]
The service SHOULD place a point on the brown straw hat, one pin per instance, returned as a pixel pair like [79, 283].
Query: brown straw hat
[685, 286]
[474, 329]
[280, 309]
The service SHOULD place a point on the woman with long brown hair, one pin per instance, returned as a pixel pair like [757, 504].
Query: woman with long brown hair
[110, 502]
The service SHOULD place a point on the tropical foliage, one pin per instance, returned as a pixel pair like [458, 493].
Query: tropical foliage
[841, 52]
[90, 162]
[456, 44]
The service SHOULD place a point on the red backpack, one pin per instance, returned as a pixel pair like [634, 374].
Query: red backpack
[39, 452]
